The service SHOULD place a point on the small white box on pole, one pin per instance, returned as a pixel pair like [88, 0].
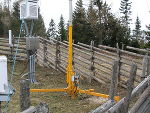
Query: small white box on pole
[3, 74]
[10, 38]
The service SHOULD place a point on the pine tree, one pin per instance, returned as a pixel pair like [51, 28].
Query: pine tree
[61, 29]
[92, 19]
[100, 25]
[1, 23]
[125, 9]
[137, 31]
[148, 34]
[39, 27]
[103, 14]
[80, 26]
[15, 19]
[109, 28]
[51, 32]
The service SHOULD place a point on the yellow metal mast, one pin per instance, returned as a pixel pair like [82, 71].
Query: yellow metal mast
[71, 79]
[70, 74]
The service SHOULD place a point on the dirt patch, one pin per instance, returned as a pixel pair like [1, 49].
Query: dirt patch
[97, 100]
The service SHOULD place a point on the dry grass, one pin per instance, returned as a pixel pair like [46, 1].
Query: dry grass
[58, 102]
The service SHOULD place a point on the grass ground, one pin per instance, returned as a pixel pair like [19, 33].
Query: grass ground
[58, 102]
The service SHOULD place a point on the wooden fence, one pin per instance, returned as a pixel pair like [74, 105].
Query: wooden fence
[103, 64]
[88, 61]
[9, 51]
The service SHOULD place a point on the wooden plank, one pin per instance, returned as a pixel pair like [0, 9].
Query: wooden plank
[140, 101]
[126, 58]
[123, 51]
[103, 60]
[102, 65]
[104, 55]
[107, 47]
[103, 108]
[81, 60]
[132, 54]
[145, 107]
[138, 49]
[108, 72]
[32, 109]
[135, 92]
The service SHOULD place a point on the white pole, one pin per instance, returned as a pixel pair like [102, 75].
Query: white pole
[10, 38]
[70, 12]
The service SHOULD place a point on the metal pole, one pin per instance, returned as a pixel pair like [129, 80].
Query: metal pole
[30, 68]
[70, 52]
[70, 12]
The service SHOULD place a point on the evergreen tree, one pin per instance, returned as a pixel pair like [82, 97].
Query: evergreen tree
[15, 19]
[81, 28]
[61, 29]
[115, 32]
[1, 23]
[39, 27]
[125, 9]
[92, 19]
[100, 25]
[51, 32]
[137, 31]
[110, 30]
[147, 45]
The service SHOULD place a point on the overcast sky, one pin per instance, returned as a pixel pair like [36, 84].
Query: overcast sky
[54, 8]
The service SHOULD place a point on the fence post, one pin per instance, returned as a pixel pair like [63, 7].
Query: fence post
[91, 62]
[146, 67]
[57, 60]
[24, 95]
[122, 46]
[119, 61]
[114, 80]
[130, 86]
[45, 52]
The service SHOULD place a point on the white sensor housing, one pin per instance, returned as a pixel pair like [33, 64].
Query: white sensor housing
[29, 9]
[3, 74]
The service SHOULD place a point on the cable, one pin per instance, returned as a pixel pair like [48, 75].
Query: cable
[9, 71]
[13, 68]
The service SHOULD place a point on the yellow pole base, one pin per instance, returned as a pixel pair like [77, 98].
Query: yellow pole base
[73, 93]
[48, 90]
[89, 92]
